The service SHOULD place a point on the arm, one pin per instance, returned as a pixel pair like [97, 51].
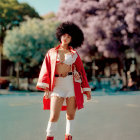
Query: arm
[44, 75]
[80, 68]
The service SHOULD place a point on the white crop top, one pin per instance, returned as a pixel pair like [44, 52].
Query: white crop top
[69, 59]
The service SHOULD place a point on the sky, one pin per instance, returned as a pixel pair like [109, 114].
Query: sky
[43, 6]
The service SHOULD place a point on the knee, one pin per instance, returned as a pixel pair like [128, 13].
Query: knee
[54, 118]
[70, 116]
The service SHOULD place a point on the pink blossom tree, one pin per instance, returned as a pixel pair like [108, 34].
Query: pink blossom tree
[112, 26]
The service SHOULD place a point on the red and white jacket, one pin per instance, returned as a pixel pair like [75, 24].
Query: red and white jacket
[47, 72]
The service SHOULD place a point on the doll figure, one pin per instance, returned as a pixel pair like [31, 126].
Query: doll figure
[63, 79]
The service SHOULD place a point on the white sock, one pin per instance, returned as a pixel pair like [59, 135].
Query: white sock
[69, 126]
[51, 128]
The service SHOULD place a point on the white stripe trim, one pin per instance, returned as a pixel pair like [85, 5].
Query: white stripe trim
[43, 85]
[86, 89]
[81, 90]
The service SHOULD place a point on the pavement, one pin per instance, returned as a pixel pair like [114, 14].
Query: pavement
[107, 117]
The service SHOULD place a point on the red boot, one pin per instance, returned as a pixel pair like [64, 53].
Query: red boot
[49, 138]
[68, 137]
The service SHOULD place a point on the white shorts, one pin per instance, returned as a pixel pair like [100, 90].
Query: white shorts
[63, 87]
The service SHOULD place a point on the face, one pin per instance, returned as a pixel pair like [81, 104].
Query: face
[66, 38]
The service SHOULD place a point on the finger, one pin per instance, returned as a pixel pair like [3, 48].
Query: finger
[88, 97]
[46, 94]
[46, 97]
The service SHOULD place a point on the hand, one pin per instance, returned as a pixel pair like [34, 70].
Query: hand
[46, 93]
[88, 94]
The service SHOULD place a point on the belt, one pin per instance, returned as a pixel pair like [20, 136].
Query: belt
[61, 75]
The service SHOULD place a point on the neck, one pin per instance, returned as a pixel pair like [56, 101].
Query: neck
[64, 46]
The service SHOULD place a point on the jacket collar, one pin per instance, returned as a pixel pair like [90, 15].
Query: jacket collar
[71, 49]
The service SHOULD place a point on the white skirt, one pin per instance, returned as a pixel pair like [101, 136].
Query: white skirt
[63, 87]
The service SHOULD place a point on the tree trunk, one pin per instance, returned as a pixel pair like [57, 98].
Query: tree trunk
[0, 61]
[2, 35]
[0, 58]
[17, 74]
[123, 60]
[137, 64]
[28, 88]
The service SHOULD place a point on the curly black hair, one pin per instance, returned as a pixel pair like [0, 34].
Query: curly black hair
[73, 30]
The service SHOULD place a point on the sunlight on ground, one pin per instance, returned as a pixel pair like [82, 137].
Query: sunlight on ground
[132, 105]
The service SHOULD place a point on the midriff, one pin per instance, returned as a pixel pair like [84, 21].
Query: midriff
[62, 68]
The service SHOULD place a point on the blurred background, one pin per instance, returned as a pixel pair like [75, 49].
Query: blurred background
[110, 52]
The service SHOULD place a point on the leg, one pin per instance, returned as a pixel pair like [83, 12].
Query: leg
[71, 110]
[56, 104]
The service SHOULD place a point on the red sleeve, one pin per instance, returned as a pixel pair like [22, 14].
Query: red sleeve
[80, 68]
[44, 75]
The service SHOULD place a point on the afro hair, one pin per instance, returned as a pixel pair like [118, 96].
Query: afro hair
[73, 30]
